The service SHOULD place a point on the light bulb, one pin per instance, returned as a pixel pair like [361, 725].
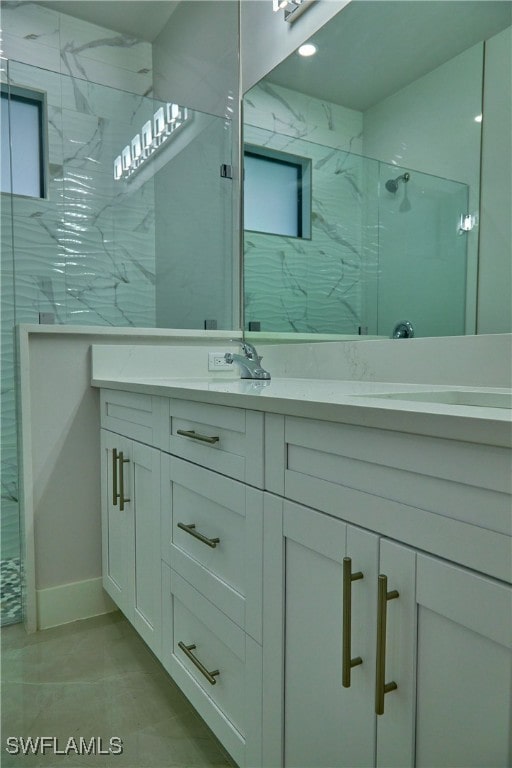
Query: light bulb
[308, 49]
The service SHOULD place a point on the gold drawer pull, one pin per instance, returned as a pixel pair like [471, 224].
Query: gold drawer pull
[191, 528]
[187, 650]
[347, 661]
[197, 436]
[115, 494]
[381, 687]
[118, 456]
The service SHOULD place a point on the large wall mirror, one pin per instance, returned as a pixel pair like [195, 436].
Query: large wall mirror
[388, 118]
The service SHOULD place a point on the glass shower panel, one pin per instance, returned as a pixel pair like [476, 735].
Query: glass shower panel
[107, 225]
[73, 263]
[422, 253]
[386, 246]
[127, 251]
[135, 230]
[10, 553]
[194, 228]
[39, 279]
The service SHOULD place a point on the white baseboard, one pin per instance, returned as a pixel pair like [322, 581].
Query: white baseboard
[71, 602]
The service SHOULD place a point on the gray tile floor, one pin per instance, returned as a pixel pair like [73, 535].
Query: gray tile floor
[96, 678]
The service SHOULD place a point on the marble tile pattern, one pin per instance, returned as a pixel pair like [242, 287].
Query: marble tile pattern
[315, 285]
[54, 41]
[10, 591]
[86, 252]
[97, 678]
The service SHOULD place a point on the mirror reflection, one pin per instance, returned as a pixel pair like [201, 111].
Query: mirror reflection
[388, 115]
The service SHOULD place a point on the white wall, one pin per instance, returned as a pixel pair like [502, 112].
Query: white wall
[194, 231]
[60, 448]
[495, 264]
[195, 57]
[430, 126]
[196, 212]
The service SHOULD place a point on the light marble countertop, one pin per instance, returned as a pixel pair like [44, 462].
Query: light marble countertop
[350, 402]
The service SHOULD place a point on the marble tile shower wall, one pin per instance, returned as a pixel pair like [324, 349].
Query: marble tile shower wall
[315, 285]
[86, 253]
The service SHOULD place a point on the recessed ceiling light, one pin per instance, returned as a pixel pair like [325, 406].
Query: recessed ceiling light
[308, 49]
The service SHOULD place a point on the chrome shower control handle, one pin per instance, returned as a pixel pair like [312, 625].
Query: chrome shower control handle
[403, 330]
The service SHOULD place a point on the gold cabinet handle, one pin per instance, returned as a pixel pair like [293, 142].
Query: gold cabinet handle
[122, 498]
[196, 436]
[191, 528]
[115, 494]
[187, 650]
[381, 687]
[347, 661]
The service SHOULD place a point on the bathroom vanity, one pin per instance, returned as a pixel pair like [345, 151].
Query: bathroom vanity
[323, 567]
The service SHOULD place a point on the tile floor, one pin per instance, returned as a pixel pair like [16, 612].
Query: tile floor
[97, 678]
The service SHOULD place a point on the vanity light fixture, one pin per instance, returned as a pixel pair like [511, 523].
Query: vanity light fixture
[308, 49]
[292, 8]
[166, 122]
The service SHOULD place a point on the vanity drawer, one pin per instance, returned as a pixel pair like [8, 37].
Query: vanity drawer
[212, 533]
[214, 662]
[132, 414]
[452, 496]
[227, 440]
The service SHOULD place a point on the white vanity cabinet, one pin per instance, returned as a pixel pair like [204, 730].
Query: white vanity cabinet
[430, 644]
[182, 549]
[131, 532]
[212, 536]
[332, 594]
[443, 653]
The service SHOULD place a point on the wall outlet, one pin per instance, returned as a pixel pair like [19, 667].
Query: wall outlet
[46, 318]
[216, 362]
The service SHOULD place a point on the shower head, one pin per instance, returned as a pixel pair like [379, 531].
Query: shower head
[392, 184]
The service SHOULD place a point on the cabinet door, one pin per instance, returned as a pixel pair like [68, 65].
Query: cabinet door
[118, 539]
[147, 573]
[448, 649]
[325, 723]
[131, 532]
[464, 668]
[395, 724]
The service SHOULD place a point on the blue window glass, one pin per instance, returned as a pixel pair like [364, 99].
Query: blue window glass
[22, 145]
[276, 188]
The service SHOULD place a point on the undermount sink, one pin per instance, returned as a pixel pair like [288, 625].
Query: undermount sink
[454, 397]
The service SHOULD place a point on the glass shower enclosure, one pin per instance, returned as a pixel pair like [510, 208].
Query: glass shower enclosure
[133, 198]
[386, 245]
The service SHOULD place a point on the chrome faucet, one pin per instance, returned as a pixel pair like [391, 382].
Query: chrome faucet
[403, 330]
[249, 363]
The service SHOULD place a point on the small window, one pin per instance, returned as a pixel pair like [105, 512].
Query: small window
[22, 147]
[277, 192]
